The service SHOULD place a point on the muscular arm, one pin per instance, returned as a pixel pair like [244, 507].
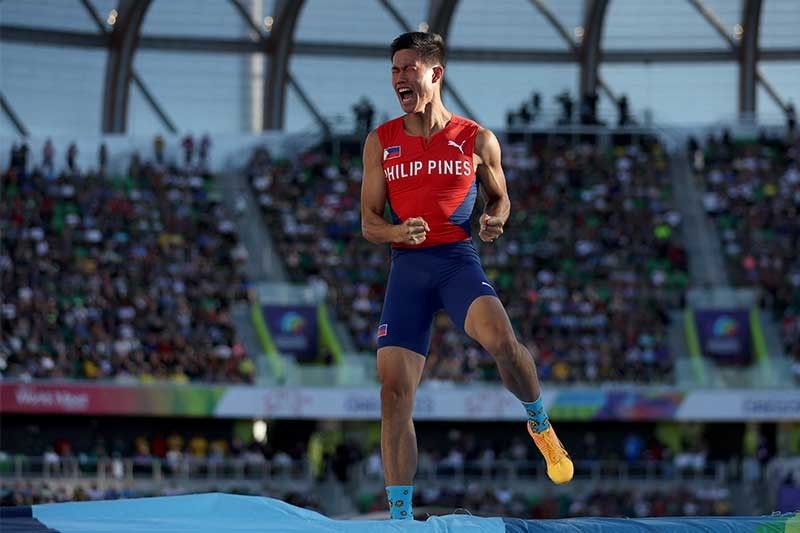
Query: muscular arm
[373, 203]
[493, 182]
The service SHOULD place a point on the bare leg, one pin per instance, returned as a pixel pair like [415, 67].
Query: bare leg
[400, 371]
[487, 323]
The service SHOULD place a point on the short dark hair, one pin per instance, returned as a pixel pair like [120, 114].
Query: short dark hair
[429, 46]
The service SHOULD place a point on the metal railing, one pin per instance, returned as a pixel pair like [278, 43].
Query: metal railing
[26, 468]
[608, 471]
[753, 483]
[186, 469]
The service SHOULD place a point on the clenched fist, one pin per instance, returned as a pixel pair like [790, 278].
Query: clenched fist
[491, 228]
[413, 231]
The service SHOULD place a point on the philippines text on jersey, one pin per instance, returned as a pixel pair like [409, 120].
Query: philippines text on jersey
[446, 167]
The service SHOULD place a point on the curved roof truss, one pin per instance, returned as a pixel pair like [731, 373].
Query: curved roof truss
[280, 45]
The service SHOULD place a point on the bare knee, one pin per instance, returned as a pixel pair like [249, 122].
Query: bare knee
[501, 345]
[397, 397]
[399, 371]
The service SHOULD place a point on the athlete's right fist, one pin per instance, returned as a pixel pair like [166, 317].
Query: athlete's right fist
[413, 231]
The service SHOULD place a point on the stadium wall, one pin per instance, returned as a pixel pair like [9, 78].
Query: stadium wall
[474, 403]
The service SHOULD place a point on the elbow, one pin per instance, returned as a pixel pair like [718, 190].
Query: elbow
[366, 233]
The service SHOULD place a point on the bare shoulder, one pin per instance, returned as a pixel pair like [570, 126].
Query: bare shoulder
[487, 147]
[372, 139]
[372, 146]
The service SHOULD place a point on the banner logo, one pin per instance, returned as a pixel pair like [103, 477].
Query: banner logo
[293, 323]
[725, 326]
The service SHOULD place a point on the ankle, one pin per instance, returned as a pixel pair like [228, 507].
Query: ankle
[537, 416]
[400, 498]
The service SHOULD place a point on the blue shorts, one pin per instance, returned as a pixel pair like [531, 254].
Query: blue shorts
[422, 281]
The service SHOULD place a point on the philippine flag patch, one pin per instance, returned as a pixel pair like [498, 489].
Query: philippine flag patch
[393, 152]
[383, 329]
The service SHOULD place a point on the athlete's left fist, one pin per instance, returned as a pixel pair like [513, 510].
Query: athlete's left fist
[491, 228]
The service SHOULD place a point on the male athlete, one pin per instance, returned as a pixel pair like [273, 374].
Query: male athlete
[427, 163]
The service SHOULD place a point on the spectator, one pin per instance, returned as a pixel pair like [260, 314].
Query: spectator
[158, 149]
[19, 158]
[624, 112]
[48, 156]
[205, 148]
[188, 148]
[102, 159]
[536, 101]
[566, 107]
[364, 114]
[72, 156]
[524, 115]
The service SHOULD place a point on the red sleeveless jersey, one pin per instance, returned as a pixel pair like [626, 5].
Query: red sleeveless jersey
[436, 182]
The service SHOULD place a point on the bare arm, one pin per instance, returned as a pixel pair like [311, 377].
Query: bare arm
[493, 181]
[373, 203]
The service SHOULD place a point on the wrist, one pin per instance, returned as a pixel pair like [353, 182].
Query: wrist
[396, 235]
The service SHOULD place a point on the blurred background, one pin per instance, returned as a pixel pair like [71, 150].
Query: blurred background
[187, 304]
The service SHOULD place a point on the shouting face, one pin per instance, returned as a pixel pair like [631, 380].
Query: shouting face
[415, 83]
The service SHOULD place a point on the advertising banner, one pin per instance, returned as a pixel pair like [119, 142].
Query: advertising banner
[725, 335]
[109, 399]
[294, 329]
[740, 405]
[465, 403]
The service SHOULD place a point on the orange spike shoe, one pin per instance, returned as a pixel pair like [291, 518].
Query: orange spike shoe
[559, 465]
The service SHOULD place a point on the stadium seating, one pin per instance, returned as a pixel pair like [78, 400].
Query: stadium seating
[752, 190]
[589, 265]
[119, 277]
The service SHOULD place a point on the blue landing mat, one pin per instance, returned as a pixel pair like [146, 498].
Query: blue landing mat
[214, 513]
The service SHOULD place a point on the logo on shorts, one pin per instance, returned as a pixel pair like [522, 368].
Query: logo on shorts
[383, 329]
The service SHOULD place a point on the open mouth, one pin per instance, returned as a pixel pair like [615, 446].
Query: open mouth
[405, 94]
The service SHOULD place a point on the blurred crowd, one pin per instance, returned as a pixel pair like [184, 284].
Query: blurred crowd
[588, 268]
[752, 190]
[443, 450]
[463, 459]
[312, 209]
[335, 454]
[35, 493]
[503, 501]
[128, 277]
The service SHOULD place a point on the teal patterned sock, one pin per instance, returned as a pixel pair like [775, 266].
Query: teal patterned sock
[537, 415]
[400, 501]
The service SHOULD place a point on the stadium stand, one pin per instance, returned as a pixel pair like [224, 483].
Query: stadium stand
[119, 277]
[185, 332]
[596, 226]
[752, 190]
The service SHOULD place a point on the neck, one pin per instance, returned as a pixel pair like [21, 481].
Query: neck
[432, 119]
